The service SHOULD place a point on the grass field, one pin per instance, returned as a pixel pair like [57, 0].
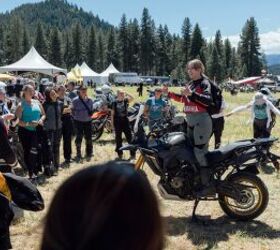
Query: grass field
[181, 234]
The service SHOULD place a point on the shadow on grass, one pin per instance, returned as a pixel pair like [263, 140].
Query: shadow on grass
[217, 230]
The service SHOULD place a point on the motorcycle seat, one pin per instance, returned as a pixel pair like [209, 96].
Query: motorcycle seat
[225, 152]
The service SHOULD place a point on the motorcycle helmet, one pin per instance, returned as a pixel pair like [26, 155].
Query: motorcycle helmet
[265, 91]
[106, 89]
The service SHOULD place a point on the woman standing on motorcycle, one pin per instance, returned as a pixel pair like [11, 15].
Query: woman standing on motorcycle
[197, 97]
[120, 121]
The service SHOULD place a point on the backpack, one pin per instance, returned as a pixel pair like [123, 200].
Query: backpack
[217, 99]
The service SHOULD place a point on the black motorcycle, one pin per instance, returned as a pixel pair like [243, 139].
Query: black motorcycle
[234, 168]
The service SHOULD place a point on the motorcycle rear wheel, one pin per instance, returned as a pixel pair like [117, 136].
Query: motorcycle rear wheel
[254, 200]
[96, 131]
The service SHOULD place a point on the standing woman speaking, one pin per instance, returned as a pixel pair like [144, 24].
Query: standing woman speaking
[30, 114]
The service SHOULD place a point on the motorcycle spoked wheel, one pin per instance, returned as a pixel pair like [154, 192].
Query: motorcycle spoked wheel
[96, 131]
[108, 126]
[254, 199]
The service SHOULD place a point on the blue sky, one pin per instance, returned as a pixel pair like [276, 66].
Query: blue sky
[228, 16]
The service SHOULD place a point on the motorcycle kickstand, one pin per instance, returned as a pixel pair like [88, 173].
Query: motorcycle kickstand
[194, 217]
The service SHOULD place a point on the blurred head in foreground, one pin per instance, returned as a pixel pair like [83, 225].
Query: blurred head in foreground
[109, 206]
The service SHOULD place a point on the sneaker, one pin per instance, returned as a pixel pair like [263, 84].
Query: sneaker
[88, 158]
[119, 158]
[78, 159]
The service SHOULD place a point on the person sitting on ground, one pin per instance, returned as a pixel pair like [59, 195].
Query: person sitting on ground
[155, 108]
[108, 206]
[120, 121]
[261, 109]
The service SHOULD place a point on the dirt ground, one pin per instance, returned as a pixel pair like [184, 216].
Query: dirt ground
[181, 234]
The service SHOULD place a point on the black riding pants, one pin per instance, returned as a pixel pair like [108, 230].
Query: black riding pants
[84, 131]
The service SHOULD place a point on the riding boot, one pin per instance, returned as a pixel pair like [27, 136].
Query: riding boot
[208, 187]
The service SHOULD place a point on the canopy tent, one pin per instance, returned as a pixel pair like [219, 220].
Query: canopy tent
[6, 77]
[33, 62]
[104, 76]
[75, 75]
[88, 74]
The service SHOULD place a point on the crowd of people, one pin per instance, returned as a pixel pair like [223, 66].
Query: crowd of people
[61, 112]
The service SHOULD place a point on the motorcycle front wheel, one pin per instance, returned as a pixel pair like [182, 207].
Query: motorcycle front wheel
[253, 201]
[96, 130]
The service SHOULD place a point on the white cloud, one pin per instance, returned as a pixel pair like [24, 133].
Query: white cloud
[270, 41]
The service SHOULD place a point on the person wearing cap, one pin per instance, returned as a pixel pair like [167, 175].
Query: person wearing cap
[261, 109]
[120, 121]
[82, 110]
[155, 108]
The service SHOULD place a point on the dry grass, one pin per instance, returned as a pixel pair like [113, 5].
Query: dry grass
[221, 233]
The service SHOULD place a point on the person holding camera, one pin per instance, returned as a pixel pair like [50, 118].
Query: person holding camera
[82, 110]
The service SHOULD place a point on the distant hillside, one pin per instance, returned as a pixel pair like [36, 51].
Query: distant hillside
[53, 13]
[274, 69]
[273, 59]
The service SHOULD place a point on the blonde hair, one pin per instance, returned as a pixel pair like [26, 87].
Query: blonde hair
[25, 88]
[196, 64]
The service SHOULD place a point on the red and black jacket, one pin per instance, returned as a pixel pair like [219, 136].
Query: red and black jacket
[200, 99]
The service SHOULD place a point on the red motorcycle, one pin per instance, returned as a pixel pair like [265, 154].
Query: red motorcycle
[101, 120]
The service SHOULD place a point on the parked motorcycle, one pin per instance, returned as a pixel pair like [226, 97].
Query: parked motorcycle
[240, 192]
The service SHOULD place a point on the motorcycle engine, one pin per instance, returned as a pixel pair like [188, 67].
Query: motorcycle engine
[177, 182]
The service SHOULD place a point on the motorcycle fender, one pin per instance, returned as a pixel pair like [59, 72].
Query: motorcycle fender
[128, 147]
[252, 168]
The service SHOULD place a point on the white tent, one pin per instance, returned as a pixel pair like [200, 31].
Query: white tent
[104, 76]
[33, 62]
[88, 74]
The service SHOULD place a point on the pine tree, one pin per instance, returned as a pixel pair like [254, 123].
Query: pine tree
[218, 42]
[68, 53]
[92, 49]
[124, 44]
[2, 42]
[227, 58]
[40, 42]
[250, 49]
[77, 44]
[55, 48]
[186, 40]
[8, 48]
[196, 50]
[134, 46]
[147, 43]
[215, 66]
[112, 54]
[101, 56]
[25, 42]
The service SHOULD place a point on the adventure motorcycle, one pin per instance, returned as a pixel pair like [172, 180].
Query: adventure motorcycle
[240, 192]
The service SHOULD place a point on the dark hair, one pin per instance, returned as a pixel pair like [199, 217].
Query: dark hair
[48, 91]
[109, 206]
